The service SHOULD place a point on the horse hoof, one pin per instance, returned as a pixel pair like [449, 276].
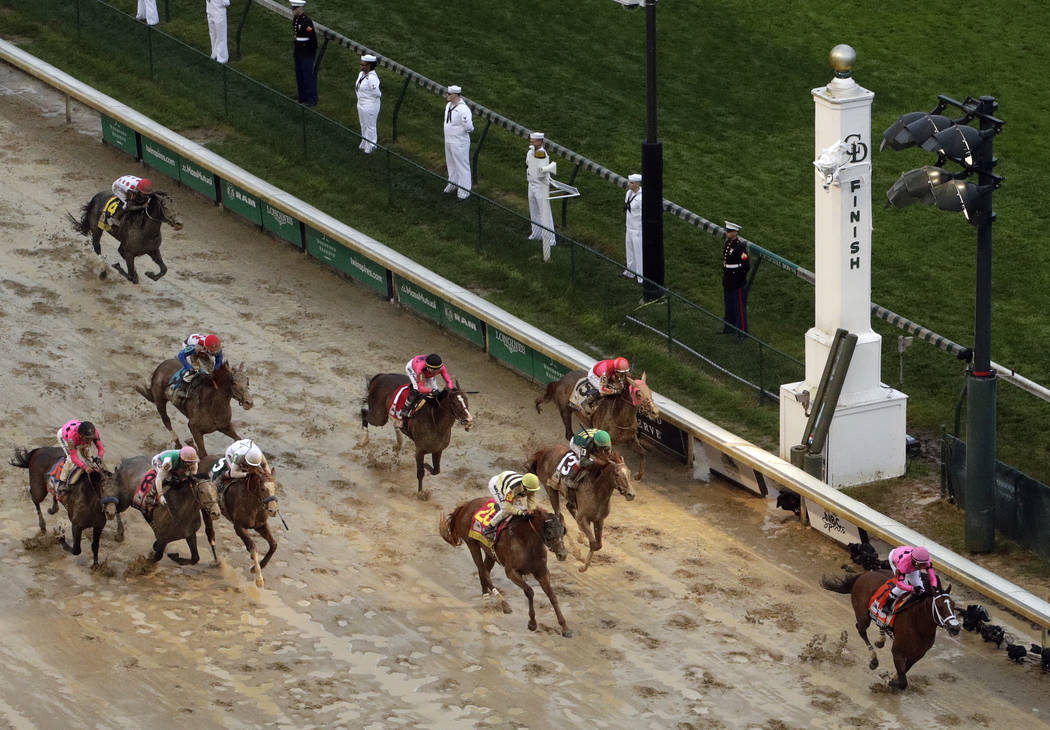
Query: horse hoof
[153, 276]
[507, 609]
[532, 626]
[119, 537]
[423, 496]
[103, 275]
[874, 663]
[259, 582]
[567, 633]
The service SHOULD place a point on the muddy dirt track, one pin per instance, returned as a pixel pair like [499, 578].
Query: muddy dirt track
[702, 611]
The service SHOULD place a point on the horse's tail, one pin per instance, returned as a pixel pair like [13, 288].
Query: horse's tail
[82, 226]
[21, 458]
[145, 393]
[839, 585]
[445, 528]
[547, 394]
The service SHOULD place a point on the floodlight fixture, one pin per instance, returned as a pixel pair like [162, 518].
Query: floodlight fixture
[936, 186]
[958, 143]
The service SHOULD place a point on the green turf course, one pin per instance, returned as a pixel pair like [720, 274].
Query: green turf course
[736, 122]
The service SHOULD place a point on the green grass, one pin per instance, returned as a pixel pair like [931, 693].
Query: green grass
[736, 121]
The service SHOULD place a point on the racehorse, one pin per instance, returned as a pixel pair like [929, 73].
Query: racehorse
[187, 504]
[138, 233]
[207, 408]
[83, 505]
[616, 414]
[248, 502]
[916, 624]
[430, 428]
[592, 495]
[521, 549]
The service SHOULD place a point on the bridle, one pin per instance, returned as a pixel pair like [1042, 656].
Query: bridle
[942, 611]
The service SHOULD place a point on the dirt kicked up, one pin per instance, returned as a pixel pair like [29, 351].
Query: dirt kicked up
[703, 609]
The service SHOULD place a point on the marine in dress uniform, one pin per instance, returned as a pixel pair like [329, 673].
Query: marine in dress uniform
[304, 53]
[459, 123]
[632, 206]
[538, 169]
[735, 266]
[368, 96]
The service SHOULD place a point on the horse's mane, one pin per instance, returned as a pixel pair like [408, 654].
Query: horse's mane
[222, 375]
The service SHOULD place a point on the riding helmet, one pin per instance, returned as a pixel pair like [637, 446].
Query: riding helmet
[188, 453]
[145, 186]
[86, 430]
[212, 343]
[530, 481]
[920, 557]
[601, 438]
[254, 457]
[621, 365]
[433, 361]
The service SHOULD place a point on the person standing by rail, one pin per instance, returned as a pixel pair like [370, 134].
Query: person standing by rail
[304, 52]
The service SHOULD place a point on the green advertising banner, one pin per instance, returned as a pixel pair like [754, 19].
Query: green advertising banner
[282, 224]
[119, 135]
[323, 248]
[241, 202]
[516, 354]
[419, 300]
[368, 272]
[194, 176]
[160, 158]
[546, 370]
[463, 324]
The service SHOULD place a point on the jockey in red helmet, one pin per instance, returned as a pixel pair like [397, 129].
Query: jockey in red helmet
[134, 194]
[606, 377]
[199, 350]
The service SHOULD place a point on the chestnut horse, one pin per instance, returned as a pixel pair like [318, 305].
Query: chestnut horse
[248, 503]
[592, 495]
[915, 627]
[188, 503]
[430, 428]
[521, 549]
[207, 409]
[616, 414]
[139, 232]
[83, 497]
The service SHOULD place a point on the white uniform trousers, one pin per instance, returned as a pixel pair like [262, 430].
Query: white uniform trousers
[147, 10]
[217, 30]
[368, 114]
[541, 215]
[457, 160]
[634, 252]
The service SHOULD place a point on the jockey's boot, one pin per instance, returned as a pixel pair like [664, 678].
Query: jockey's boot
[190, 375]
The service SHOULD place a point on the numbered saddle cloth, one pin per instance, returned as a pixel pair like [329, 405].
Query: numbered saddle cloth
[481, 529]
[566, 466]
[398, 400]
[108, 210]
[219, 474]
[880, 600]
[145, 497]
[52, 480]
[582, 393]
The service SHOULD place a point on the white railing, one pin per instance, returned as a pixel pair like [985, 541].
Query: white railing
[743, 452]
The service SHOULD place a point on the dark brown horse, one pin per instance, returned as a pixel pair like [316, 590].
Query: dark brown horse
[188, 503]
[521, 549]
[430, 428]
[616, 414]
[138, 233]
[248, 503]
[915, 627]
[208, 407]
[592, 495]
[83, 497]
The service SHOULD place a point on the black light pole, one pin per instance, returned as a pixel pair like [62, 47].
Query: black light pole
[652, 172]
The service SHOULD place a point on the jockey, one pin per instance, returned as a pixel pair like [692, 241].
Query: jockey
[908, 565]
[74, 438]
[178, 463]
[589, 445]
[607, 377]
[423, 372]
[133, 193]
[515, 494]
[245, 455]
[198, 350]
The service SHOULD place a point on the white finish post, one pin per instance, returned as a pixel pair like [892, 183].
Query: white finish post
[867, 437]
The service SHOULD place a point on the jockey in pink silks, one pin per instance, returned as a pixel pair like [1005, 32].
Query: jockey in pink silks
[908, 565]
[423, 373]
[75, 437]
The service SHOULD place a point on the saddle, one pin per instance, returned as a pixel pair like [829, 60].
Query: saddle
[108, 211]
[52, 480]
[145, 497]
[584, 397]
[178, 390]
[880, 602]
[481, 529]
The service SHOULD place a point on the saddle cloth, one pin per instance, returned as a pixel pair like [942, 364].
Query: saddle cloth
[877, 607]
[218, 475]
[145, 497]
[398, 400]
[112, 206]
[481, 529]
[52, 480]
[583, 392]
[178, 390]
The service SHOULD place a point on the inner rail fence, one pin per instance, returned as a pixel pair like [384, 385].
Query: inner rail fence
[524, 348]
[582, 163]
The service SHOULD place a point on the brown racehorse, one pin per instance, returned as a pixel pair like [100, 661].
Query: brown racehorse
[83, 498]
[521, 549]
[138, 233]
[431, 426]
[248, 503]
[592, 495]
[208, 407]
[188, 503]
[616, 414]
[916, 624]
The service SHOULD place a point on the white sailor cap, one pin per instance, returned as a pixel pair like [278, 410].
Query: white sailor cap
[730, 226]
[536, 135]
[297, 3]
[634, 177]
[368, 58]
[454, 89]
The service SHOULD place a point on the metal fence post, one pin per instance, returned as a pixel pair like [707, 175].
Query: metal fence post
[761, 372]
[149, 49]
[565, 201]
[389, 180]
[77, 2]
[167, 11]
[225, 91]
[477, 199]
[240, 27]
[320, 57]
[477, 151]
[670, 338]
[302, 116]
[397, 107]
